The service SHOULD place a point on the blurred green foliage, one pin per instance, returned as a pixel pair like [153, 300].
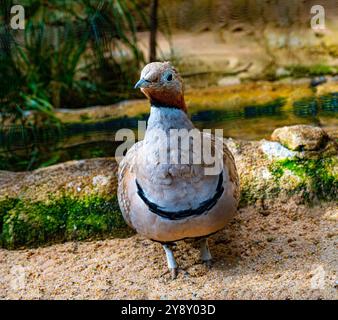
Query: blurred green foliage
[299, 71]
[70, 54]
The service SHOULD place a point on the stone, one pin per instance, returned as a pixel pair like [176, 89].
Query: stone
[301, 137]
[76, 200]
[274, 150]
[100, 180]
[331, 215]
[318, 81]
[229, 81]
[282, 72]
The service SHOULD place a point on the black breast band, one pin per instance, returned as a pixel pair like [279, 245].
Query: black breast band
[182, 214]
[156, 104]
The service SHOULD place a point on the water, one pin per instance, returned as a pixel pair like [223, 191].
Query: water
[29, 148]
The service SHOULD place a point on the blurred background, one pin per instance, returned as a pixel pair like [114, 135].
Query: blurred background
[66, 79]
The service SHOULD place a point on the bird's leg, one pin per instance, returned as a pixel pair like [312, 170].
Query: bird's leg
[205, 252]
[172, 265]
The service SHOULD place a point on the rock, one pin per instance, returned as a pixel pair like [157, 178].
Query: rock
[282, 72]
[274, 150]
[262, 207]
[76, 200]
[331, 215]
[100, 180]
[275, 40]
[301, 137]
[334, 79]
[228, 81]
[295, 82]
[300, 81]
[268, 170]
[318, 81]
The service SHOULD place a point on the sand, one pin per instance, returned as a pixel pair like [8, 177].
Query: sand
[269, 251]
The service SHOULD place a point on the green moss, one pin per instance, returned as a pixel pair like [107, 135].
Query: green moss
[277, 171]
[309, 178]
[97, 152]
[84, 117]
[27, 223]
[317, 179]
[6, 205]
[248, 196]
[300, 71]
[320, 69]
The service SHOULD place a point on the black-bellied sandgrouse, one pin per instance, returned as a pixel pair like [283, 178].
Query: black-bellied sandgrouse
[166, 192]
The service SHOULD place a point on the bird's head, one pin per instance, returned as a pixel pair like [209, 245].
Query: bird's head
[162, 85]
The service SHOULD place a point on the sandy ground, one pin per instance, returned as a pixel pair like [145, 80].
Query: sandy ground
[270, 251]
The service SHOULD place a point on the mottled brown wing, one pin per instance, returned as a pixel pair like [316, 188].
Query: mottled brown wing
[124, 173]
[229, 162]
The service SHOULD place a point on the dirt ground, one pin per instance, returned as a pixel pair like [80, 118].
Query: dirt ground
[274, 251]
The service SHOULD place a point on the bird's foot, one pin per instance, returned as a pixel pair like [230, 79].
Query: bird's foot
[172, 265]
[205, 253]
[174, 272]
[208, 263]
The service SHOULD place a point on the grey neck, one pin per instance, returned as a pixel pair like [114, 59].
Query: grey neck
[165, 118]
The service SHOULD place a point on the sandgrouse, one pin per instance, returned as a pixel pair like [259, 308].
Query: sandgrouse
[164, 194]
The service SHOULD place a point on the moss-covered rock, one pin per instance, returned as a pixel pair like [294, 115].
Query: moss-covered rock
[313, 178]
[268, 173]
[301, 137]
[58, 219]
[76, 200]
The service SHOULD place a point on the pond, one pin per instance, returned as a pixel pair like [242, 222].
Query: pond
[249, 119]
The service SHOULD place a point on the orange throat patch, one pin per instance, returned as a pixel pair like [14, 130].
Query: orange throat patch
[165, 98]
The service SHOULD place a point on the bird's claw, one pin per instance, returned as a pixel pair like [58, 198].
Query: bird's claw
[208, 263]
[173, 272]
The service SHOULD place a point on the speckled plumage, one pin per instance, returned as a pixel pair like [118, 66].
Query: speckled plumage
[173, 186]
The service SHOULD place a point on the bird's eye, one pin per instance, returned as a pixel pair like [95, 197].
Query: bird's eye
[169, 77]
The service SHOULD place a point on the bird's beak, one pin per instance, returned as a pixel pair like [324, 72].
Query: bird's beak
[142, 83]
